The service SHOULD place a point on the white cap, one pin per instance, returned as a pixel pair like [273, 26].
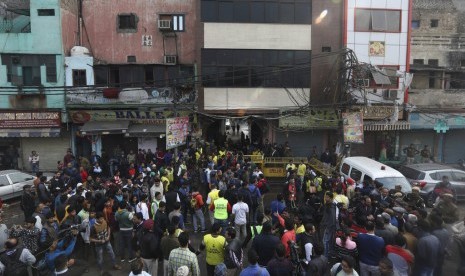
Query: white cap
[78, 185]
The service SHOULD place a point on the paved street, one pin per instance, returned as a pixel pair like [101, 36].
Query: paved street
[13, 215]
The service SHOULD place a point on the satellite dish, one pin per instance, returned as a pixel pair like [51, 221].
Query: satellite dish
[155, 93]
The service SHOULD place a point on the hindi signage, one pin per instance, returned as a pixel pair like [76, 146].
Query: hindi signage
[176, 131]
[353, 127]
[29, 119]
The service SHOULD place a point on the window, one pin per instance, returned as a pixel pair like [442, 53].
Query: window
[131, 59]
[367, 20]
[20, 177]
[326, 49]
[434, 23]
[46, 12]
[25, 69]
[432, 80]
[255, 68]
[462, 63]
[433, 62]
[4, 181]
[178, 23]
[79, 78]
[257, 11]
[418, 61]
[345, 168]
[415, 24]
[355, 174]
[127, 23]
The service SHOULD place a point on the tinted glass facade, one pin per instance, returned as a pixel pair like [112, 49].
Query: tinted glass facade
[255, 68]
[258, 11]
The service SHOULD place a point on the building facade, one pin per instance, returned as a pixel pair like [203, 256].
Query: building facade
[32, 106]
[259, 64]
[378, 32]
[436, 94]
[136, 67]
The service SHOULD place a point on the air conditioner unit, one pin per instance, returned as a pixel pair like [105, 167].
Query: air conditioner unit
[170, 60]
[164, 25]
[390, 94]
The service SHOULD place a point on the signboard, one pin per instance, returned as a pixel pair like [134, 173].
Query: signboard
[176, 131]
[380, 112]
[146, 117]
[376, 49]
[28, 119]
[353, 127]
[314, 118]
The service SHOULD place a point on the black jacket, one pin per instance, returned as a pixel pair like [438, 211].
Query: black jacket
[161, 222]
[265, 244]
[150, 245]
[233, 254]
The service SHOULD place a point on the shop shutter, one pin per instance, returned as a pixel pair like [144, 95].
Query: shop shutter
[50, 151]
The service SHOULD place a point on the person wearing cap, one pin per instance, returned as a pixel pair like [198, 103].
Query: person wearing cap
[447, 208]
[387, 224]
[150, 247]
[382, 232]
[414, 199]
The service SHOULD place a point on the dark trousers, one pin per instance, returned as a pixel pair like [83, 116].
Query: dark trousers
[210, 270]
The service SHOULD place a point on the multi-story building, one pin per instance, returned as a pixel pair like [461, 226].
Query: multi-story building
[264, 67]
[378, 33]
[138, 67]
[437, 90]
[32, 108]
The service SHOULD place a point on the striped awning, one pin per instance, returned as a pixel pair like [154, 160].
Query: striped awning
[30, 132]
[386, 127]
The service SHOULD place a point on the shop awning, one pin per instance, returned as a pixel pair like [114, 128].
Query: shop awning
[144, 129]
[30, 132]
[386, 127]
[105, 127]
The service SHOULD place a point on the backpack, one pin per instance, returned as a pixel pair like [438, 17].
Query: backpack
[255, 198]
[265, 187]
[13, 266]
[193, 202]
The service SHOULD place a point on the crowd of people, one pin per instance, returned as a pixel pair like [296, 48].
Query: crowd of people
[146, 209]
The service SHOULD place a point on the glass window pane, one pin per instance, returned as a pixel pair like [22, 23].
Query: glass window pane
[209, 76]
[302, 57]
[241, 77]
[209, 11]
[302, 77]
[101, 76]
[270, 58]
[4, 181]
[208, 57]
[271, 12]
[378, 20]
[303, 13]
[287, 77]
[225, 76]
[20, 177]
[362, 20]
[286, 13]
[225, 11]
[393, 24]
[256, 76]
[225, 57]
[257, 12]
[286, 57]
[272, 77]
[242, 57]
[241, 12]
[256, 57]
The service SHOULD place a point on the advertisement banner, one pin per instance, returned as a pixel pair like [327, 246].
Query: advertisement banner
[176, 131]
[28, 119]
[314, 118]
[353, 127]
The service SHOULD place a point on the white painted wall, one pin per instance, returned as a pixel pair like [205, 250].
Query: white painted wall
[252, 98]
[257, 36]
[79, 63]
[395, 43]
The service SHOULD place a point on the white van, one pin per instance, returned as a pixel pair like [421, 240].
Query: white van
[362, 169]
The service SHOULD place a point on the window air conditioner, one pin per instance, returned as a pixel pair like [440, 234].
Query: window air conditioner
[164, 24]
[170, 60]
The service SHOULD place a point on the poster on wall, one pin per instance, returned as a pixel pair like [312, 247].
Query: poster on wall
[353, 127]
[176, 131]
[377, 49]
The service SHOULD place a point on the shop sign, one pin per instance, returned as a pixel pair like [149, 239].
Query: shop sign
[314, 118]
[436, 121]
[136, 116]
[353, 127]
[29, 119]
[379, 112]
[177, 130]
